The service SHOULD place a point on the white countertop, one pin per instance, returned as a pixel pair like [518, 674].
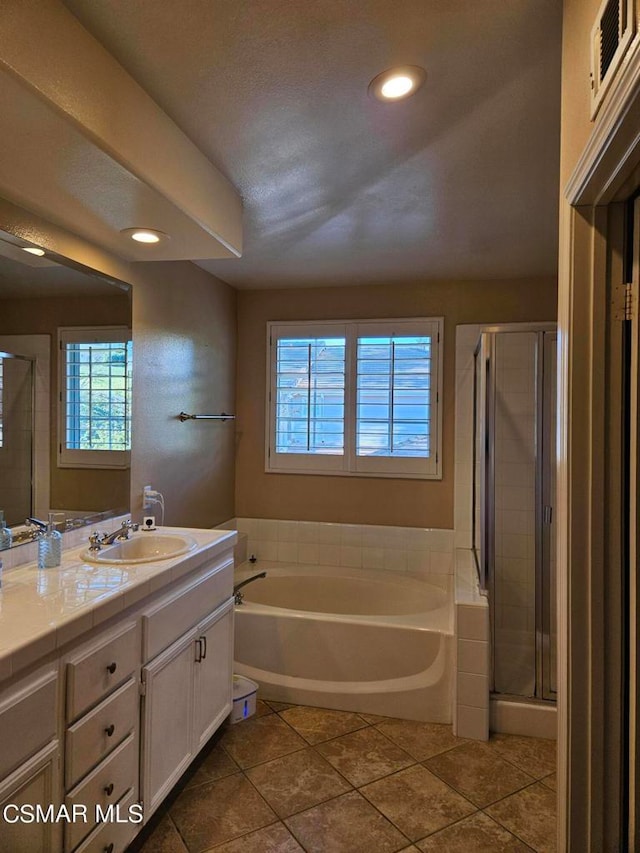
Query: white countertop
[42, 609]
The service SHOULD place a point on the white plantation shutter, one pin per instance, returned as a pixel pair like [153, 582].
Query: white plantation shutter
[310, 395]
[397, 397]
[307, 392]
[355, 398]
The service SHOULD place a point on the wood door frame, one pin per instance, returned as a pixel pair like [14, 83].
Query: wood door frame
[607, 172]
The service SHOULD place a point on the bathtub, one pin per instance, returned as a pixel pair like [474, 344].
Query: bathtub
[352, 639]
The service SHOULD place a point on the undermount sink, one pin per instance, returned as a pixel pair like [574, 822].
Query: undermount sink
[143, 548]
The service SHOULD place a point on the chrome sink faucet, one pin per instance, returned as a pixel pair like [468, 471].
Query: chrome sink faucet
[97, 540]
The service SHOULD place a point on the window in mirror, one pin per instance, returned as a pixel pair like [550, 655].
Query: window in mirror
[95, 397]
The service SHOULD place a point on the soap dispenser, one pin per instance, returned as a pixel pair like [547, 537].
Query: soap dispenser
[5, 533]
[50, 545]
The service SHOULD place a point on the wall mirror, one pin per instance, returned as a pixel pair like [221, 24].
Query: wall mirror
[65, 374]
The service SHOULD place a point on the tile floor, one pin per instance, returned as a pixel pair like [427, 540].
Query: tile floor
[295, 778]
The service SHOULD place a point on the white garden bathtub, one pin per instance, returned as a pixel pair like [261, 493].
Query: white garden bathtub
[353, 639]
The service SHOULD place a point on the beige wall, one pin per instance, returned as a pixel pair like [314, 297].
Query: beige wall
[578, 19]
[420, 503]
[184, 336]
[72, 488]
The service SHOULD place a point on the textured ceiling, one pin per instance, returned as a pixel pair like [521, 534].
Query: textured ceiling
[460, 181]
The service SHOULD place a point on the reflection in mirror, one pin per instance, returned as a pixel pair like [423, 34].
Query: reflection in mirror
[64, 422]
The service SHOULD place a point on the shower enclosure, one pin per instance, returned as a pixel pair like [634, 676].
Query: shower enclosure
[513, 498]
[16, 436]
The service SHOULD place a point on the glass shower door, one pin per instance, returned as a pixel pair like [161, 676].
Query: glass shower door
[514, 408]
[513, 498]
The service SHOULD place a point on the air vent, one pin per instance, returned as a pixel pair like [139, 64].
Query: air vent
[610, 38]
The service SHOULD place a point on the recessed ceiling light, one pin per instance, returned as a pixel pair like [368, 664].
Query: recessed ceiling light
[145, 235]
[397, 83]
[33, 250]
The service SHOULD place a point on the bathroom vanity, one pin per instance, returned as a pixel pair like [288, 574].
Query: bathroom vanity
[112, 678]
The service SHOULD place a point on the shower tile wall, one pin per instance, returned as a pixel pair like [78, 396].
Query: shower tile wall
[515, 487]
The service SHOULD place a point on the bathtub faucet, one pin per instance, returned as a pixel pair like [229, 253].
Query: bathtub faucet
[237, 595]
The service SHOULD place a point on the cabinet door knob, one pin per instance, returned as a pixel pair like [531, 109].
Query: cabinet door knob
[109, 848]
[109, 789]
[110, 730]
[112, 667]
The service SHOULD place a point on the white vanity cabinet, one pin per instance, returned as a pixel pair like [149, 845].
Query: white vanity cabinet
[110, 721]
[30, 772]
[187, 682]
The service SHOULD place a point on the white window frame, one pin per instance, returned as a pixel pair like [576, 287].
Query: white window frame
[350, 464]
[72, 458]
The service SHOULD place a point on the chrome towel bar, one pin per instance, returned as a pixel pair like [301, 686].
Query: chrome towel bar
[183, 416]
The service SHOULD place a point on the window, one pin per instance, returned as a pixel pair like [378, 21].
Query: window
[95, 397]
[355, 398]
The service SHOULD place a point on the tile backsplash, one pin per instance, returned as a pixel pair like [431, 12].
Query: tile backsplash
[408, 549]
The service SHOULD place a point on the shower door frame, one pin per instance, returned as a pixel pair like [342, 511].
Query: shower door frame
[5, 354]
[486, 564]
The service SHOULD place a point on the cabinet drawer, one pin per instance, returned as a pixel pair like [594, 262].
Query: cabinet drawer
[177, 612]
[98, 733]
[100, 667]
[112, 836]
[110, 781]
[28, 719]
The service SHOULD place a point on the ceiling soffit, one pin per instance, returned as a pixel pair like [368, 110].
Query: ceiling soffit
[92, 152]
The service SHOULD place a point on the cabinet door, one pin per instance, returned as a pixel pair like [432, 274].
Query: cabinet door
[37, 782]
[214, 673]
[167, 729]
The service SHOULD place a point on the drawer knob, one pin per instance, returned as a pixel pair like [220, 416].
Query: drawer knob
[109, 789]
[109, 848]
[110, 730]
[112, 668]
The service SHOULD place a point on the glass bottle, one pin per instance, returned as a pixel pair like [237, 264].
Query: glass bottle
[50, 545]
[5, 533]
